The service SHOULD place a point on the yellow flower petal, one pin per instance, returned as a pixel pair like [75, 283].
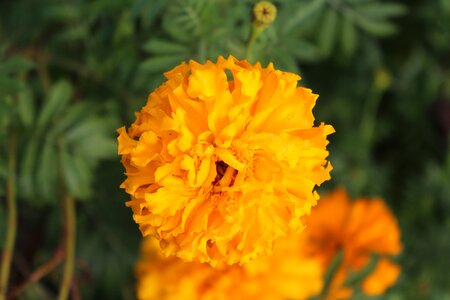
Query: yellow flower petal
[286, 274]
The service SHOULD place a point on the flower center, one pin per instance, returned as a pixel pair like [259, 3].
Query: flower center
[221, 168]
[225, 175]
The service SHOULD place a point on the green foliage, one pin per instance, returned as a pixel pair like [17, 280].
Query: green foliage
[201, 29]
[63, 145]
[71, 72]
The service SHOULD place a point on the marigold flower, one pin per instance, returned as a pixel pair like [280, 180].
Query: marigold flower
[223, 159]
[283, 275]
[360, 229]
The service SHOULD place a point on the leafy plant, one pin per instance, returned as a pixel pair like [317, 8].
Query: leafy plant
[71, 71]
[64, 144]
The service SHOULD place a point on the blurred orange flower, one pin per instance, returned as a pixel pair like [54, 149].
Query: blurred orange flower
[360, 229]
[223, 159]
[283, 275]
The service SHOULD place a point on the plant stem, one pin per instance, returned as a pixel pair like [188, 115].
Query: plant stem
[12, 216]
[254, 33]
[40, 272]
[70, 213]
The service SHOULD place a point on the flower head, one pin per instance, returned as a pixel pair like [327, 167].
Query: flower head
[223, 159]
[283, 275]
[264, 13]
[360, 229]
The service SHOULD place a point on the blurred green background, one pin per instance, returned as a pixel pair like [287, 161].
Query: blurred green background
[73, 71]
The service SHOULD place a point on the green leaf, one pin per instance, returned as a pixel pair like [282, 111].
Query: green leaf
[59, 97]
[349, 37]
[73, 33]
[124, 28]
[149, 10]
[381, 10]
[46, 175]
[14, 65]
[91, 126]
[376, 27]
[328, 32]
[304, 13]
[9, 86]
[187, 19]
[26, 107]
[304, 51]
[161, 63]
[74, 115]
[187, 15]
[160, 46]
[63, 12]
[27, 168]
[97, 147]
[77, 175]
[6, 112]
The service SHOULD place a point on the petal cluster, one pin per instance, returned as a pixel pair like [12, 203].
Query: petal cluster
[360, 229]
[223, 159]
[283, 275]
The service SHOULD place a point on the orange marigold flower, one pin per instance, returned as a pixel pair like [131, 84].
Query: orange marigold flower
[223, 159]
[283, 275]
[360, 229]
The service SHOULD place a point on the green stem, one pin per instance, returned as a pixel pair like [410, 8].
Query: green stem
[254, 33]
[40, 272]
[333, 269]
[12, 216]
[69, 265]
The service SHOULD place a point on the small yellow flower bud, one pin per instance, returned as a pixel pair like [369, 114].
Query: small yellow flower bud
[264, 13]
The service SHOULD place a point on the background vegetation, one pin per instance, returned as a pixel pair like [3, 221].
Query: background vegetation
[73, 71]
